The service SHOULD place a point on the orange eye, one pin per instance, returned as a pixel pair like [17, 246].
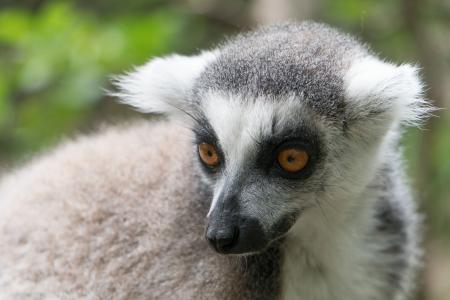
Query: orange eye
[208, 154]
[292, 160]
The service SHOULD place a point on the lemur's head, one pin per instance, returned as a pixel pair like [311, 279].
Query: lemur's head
[286, 119]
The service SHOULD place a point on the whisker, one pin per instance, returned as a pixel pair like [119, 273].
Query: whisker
[186, 113]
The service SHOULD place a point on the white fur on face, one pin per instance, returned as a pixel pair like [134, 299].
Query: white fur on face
[241, 123]
[217, 191]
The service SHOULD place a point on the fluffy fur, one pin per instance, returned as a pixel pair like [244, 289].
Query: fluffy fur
[122, 214]
[118, 215]
[157, 93]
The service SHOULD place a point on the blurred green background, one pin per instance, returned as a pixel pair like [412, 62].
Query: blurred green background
[56, 58]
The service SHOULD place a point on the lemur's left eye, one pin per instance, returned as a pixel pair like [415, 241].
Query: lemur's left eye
[292, 160]
[208, 154]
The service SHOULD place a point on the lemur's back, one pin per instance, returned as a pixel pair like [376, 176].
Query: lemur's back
[117, 216]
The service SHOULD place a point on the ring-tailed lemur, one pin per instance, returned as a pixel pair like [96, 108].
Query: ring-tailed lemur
[294, 178]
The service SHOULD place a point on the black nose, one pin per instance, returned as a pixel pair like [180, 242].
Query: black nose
[224, 239]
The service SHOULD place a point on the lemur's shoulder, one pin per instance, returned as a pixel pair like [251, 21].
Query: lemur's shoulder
[112, 154]
[119, 213]
[96, 212]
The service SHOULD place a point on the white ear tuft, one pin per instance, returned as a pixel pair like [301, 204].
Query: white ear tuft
[162, 85]
[373, 87]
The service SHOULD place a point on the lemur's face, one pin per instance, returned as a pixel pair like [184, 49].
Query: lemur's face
[288, 120]
[265, 160]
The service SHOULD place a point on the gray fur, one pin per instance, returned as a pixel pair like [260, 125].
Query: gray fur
[307, 60]
[396, 228]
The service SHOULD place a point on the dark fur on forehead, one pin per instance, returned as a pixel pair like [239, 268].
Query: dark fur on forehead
[306, 59]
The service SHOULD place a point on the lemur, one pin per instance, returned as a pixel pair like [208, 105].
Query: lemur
[277, 174]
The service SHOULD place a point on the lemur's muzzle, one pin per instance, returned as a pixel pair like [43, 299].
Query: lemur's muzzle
[230, 232]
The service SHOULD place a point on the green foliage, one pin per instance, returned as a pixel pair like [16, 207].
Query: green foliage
[55, 64]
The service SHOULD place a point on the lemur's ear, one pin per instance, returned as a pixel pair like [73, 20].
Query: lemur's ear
[163, 84]
[384, 94]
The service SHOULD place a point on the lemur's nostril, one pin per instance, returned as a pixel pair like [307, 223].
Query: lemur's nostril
[227, 240]
[223, 240]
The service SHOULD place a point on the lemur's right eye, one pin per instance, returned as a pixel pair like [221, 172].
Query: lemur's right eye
[208, 154]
